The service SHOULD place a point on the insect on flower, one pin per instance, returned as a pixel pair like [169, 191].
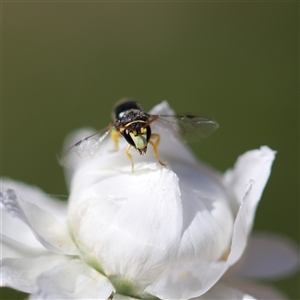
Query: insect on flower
[131, 122]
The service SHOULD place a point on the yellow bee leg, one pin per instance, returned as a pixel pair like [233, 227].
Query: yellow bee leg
[155, 146]
[130, 157]
[157, 137]
[115, 135]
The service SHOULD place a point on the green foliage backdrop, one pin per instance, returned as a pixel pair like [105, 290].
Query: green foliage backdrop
[65, 64]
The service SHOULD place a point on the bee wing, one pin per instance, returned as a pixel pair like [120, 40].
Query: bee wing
[189, 127]
[87, 146]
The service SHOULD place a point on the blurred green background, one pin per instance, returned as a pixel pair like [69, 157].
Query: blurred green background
[65, 64]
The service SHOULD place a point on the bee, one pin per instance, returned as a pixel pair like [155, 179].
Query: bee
[132, 123]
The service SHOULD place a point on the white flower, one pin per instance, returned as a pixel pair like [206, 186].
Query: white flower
[168, 232]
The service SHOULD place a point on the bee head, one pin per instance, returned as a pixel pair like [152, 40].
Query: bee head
[137, 136]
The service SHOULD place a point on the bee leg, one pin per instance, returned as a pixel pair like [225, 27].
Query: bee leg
[155, 146]
[130, 157]
[115, 135]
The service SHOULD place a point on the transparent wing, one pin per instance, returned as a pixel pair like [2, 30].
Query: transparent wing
[189, 127]
[87, 146]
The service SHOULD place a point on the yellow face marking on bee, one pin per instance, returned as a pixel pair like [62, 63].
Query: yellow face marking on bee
[136, 121]
[143, 130]
[140, 141]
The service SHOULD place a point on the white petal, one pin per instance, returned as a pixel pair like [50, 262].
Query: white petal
[36, 196]
[248, 180]
[188, 281]
[242, 227]
[16, 230]
[255, 166]
[13, 249]
[267, 256]
[72, 280]
[133, 228]
[206, 214]
[52, 234]
[21, 273]
[226, 292]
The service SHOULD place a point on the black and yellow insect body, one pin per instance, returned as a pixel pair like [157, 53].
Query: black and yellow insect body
[131, 122]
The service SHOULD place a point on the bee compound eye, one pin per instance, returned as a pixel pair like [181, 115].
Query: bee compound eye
[128, 138]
